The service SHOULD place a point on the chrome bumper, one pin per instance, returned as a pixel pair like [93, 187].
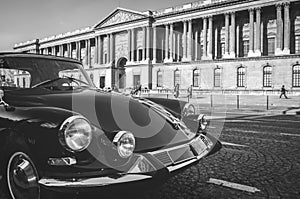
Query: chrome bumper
[126, 178]
[92, 182]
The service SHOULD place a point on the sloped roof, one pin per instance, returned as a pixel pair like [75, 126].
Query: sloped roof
[118, 16]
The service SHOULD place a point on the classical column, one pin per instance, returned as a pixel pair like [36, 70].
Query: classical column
[69, 49]
[78, 50]
[108, 49]
[232, 36]
[129, 45]
[144, 44]
[53, 51]
[179, 47]
[89, 60]
[210, 38]
[226, 54]
[184, 40]
[86, 52]
[61, 50]
[100, 51]
[216, 53]
[46, 51]
[196, 46]
[287, 28]
[154, 45]
[148, 43]
[251, 33]
[190, 38]
[279, 33]
[166, 43]
[171, 42]
[111, 48]
[132, 44]
[204, 54]
[258, 33]
[96, 50]
[237, 40]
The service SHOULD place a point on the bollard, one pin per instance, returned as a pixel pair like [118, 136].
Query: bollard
[211, 101]
[238, 102]
[167, 96]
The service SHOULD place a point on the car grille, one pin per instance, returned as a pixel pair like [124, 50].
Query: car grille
[174, 156]
[164, 158]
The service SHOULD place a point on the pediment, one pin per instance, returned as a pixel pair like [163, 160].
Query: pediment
[118, 16]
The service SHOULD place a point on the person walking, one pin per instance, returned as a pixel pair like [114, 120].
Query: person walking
[176, 91]
[283, 92]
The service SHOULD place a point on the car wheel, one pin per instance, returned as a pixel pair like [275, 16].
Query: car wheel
[22, 177]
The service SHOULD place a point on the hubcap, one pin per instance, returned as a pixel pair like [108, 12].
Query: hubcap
[22, 177]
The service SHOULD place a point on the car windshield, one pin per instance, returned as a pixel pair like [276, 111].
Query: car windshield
[32, 72]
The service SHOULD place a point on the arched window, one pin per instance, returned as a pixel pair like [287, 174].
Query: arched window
[296, 76]
[267, 76]
[176, 77]
[217, 77]
[241, 73]
[159, 79]
[196, 77]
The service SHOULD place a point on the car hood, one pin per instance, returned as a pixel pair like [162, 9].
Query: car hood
[152, 126]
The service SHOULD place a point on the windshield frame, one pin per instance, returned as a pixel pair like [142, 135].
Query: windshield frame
[43, 67]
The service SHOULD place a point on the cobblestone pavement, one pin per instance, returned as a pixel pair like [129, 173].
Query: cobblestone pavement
[259, 151]
[268, 159]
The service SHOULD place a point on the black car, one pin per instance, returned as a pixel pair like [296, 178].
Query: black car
[59, 133]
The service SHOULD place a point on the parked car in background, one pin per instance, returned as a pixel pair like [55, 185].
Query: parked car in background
[59, 133]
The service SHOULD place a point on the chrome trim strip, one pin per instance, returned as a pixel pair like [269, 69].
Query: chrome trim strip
[175, 147]
[92, 182]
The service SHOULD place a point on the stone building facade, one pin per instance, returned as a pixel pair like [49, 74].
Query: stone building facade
[237, 46]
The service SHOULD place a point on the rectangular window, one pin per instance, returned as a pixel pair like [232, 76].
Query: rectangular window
[296, 76]
[176, 77]
[297, 44]
[159, 79]
[223, 49]
[245, 48]
[217, 77]
[271, 46]
[136, 80]
[196, 78]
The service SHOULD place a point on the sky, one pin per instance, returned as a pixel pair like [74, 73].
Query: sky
[23, 20]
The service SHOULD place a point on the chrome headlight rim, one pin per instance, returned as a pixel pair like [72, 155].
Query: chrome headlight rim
[64, 127]
[118, 142]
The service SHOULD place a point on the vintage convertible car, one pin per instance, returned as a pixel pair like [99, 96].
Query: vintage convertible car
[59, 133]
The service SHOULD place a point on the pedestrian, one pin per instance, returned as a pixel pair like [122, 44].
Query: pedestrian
[176, 91]
[283, 92]
[138, 89]
[190, 91]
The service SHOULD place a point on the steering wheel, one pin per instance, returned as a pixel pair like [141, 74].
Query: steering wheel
[61, 83]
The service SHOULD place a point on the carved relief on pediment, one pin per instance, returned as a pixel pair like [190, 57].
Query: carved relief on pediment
[120, 17]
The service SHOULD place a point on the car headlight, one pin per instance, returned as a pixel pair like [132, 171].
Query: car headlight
[125, 142]
[203, 123]
[76, 133]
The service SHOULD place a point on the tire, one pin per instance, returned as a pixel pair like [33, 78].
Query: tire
[21, 176]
